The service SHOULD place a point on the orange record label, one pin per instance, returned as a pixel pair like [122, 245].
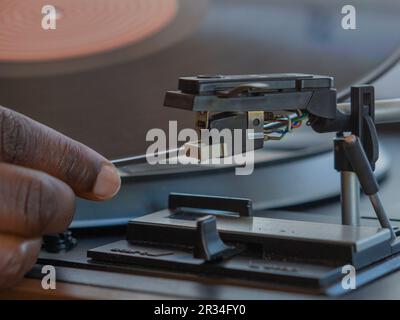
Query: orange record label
[80, 27]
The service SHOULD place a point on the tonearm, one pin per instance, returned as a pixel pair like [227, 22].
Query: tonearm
[222, 237]
[275, 104]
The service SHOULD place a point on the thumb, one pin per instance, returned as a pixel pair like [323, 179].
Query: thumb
[28, 143]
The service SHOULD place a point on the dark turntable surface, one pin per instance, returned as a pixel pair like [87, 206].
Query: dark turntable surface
[73, 266]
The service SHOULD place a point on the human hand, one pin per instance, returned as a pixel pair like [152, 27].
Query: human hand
[41, 171]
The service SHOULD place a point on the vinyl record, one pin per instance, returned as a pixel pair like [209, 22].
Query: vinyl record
[114, 72]
[100, 77]
[81, 27]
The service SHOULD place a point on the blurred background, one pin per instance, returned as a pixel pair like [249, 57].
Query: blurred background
[101, 75]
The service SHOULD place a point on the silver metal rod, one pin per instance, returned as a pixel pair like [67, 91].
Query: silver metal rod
[142, 158]
[381, 214]
[350, 198]
[386, 111]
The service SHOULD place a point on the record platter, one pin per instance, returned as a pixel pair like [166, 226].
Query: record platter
[115, 81]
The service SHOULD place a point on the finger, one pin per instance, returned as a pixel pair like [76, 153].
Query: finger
[28, 143]
[17, 256]
[33, 203]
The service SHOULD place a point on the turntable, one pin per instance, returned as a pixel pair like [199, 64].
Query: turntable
[115, 82]
[219, 237]
[176, 234]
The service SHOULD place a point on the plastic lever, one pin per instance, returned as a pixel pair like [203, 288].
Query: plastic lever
[356, 156]
[208, 245]
[359, 161]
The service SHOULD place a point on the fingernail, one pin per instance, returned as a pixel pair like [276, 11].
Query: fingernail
[107, 183]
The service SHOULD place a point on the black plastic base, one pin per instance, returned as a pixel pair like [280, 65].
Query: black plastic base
[278, 273]
[309, 256]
